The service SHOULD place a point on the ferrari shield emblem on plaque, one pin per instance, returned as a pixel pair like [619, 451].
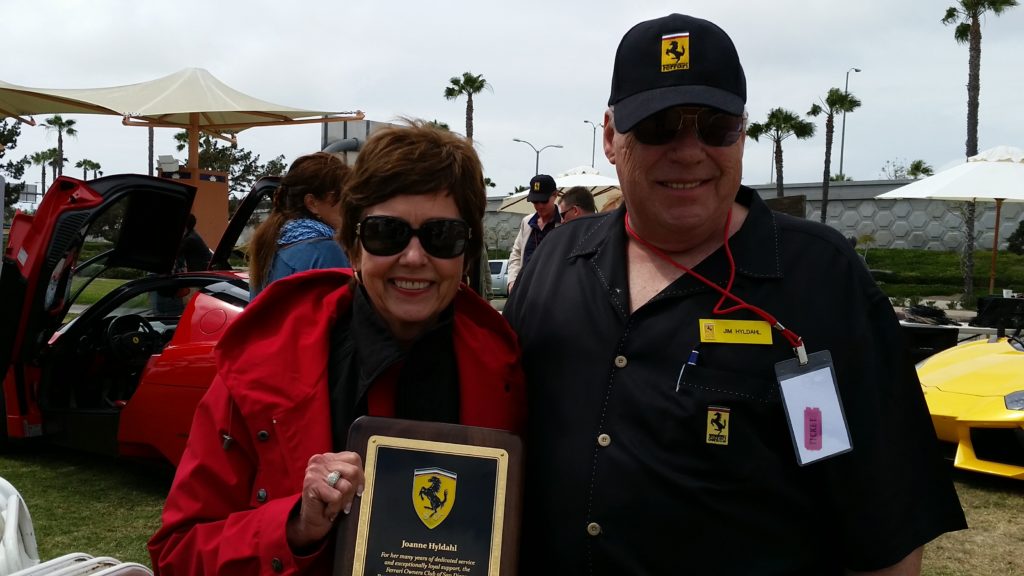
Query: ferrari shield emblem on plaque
[433, 494]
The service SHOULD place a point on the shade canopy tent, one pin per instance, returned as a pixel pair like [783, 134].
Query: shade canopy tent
[191, 99]
[21, 102]
[996, 174]
[602, 187]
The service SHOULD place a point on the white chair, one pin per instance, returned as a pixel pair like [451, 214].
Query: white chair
[88, 566]
[17, 538]
[126, 569]
[51, 566]
[81, 564]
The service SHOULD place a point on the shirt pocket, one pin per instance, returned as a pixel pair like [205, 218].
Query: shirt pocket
[734, 423]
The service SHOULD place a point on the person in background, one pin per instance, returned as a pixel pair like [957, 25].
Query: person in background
[299, 232]
[731, 392]
[575, 202]
[194, 251]
[534, 227]
[265, 476]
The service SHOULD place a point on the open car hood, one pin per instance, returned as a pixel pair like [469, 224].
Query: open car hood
[263, 188]
[148, 221]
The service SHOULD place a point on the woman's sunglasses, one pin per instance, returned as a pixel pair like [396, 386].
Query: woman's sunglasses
[713, 128]
[387, 236]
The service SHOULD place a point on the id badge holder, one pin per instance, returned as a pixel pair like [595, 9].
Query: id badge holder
[813, 408]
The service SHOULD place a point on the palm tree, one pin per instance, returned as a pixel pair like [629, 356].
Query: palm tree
[151, 164]
[469, 85]
[86, 165]
[781, 124]
[61, 126]
[41, 159]
[55, 162]
[836, 101]
[966, 14]
[918, 169]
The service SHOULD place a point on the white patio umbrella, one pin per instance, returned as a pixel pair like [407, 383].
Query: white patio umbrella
[600, 186]
[996, 174]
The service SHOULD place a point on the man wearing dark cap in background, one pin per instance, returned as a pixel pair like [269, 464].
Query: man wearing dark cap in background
[730, 393]
[534, 227]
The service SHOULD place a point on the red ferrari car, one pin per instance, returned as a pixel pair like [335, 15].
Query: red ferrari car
[112, 354]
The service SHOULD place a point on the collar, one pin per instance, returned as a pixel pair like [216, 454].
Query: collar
[551, 223]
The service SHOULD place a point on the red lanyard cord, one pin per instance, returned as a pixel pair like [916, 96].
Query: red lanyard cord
[794, 340]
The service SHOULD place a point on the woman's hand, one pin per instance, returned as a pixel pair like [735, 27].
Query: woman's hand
[329, 488]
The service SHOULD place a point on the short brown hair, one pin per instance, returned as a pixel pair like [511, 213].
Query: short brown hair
[416, 159]
[579, 196]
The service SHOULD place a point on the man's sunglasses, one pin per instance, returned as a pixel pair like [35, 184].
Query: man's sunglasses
[387, 236]
[713, 128]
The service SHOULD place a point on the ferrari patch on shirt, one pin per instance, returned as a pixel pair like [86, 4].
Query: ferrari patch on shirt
[735, 331]
[718, 426]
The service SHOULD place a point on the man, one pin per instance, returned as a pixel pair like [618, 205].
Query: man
[535, 227]
[681, 430]
[575, 202]
[194, 252]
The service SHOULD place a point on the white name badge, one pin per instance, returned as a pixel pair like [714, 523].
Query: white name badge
[813, 408]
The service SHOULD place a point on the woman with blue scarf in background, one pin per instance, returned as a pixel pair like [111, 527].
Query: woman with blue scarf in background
[299, 233]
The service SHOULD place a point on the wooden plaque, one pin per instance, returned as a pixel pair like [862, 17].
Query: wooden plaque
[439, 500]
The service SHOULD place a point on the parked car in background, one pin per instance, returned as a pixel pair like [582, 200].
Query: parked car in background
[112, 354]
[499, 278]
[975, 393]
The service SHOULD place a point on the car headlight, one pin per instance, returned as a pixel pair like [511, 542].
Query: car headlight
[1014, 400]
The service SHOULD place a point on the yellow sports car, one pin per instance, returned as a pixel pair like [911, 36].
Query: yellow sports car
[975, 394]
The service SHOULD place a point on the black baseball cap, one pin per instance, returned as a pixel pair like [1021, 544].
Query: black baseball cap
[542, 187]
[672, 61]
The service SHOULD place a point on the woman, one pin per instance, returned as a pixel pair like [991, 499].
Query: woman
[299, 233]
[264, 476]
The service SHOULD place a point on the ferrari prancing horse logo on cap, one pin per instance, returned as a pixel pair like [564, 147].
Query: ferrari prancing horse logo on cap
[675, 52]
[433, 494]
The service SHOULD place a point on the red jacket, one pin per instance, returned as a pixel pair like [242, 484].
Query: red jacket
[230, 499]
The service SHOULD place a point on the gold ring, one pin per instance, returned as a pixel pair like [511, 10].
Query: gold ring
[333, 478]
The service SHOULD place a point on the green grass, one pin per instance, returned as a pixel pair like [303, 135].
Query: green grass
[104, 507]
[97, 289]
[991, 546]
[83, 503]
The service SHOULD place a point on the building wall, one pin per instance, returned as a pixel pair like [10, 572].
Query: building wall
[853, 211]
[922, 224]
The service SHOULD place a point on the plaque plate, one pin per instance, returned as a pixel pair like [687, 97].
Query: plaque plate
[439, 500]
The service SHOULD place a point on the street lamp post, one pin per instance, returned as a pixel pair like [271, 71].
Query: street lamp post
[593, 142]
[842, 139]
[536, 166]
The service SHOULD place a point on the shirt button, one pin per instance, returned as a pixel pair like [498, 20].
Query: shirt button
[263, 435]
[276, 565]
[604, 440]
[593, 528]
[261, 495]
[620, 362]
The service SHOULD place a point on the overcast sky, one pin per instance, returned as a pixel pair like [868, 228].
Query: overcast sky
[549, 63]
